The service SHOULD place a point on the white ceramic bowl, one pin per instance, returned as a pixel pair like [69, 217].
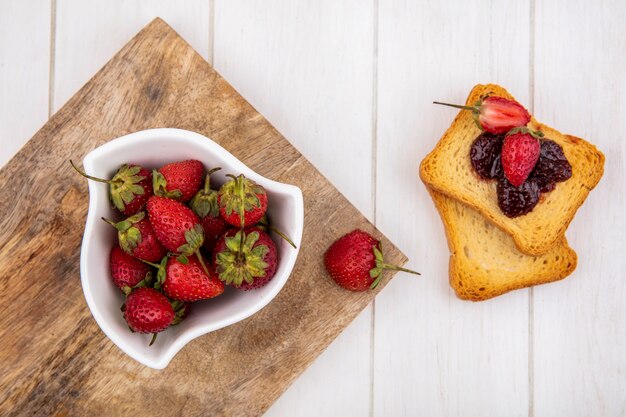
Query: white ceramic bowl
[153, 148]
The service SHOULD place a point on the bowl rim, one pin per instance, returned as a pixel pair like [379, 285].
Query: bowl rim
[183, 136]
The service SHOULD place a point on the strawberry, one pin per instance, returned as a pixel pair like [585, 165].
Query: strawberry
[246, 259]
[137, 238]
[177, 227]
[148, 311]
[188, 282]
[129, 189]
[126, 270]
[355, 261]
[205, 205]
[520, 152]
[496, 115]
[178, 180]
[242, 201]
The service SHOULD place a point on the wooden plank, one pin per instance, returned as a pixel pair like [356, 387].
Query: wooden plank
[24, 72]
[90, 32]
[315, 81]
[57, 360]
[435, 354]
[580, 323]
[315, 86]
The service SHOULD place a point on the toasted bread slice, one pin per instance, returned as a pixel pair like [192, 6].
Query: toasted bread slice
[484, 261]
[448, 169]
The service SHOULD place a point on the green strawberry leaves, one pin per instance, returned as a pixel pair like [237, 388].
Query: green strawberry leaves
[146, 282]
[204, 203]
[194, 238]
[376, 272]
[159, 186]
[242, 261]
[180, 310]
[240, 195]
[128, 235]
[526, 131]
[124, 186]
[161, 273]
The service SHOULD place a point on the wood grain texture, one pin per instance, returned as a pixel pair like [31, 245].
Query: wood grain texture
[307, 67]
[90, 32]
[24, 72]
[57, 361]
[436, 355]
[580, 324]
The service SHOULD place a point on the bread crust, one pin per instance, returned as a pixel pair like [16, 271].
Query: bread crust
[484, 261]
[447, 170]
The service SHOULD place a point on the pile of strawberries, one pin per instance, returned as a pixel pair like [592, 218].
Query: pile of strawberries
[183, 241]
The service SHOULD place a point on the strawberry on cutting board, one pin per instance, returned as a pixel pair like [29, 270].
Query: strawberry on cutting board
[137, 237]
[242, 201]
[496, 115]
[520, 152]
[178, 180]
[355, 261]
[129, 189]
[246, 259]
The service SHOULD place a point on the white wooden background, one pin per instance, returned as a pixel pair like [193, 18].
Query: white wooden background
[350, 83]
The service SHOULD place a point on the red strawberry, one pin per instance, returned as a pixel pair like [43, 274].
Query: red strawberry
[129, 189]
[137, 237]
[189, 282]
[177, 227]
[178, 180]
[496, 114]
[148, 311]
[242, 201]
[246, 259]
[126, 270]
[520, 152]
[205, 205]
[355, 261]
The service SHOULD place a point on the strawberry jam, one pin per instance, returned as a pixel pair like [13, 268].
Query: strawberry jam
[485, 155]
[516, 201]
[552, 167]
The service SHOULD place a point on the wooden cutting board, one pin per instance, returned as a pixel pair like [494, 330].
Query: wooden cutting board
[54, 359]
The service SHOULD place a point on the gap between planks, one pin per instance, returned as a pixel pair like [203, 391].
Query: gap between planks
[211, 31]
[373, 185]
[53, 25]
[531, 323]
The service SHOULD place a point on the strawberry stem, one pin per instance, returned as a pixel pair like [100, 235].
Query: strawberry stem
[472, 108]
[398, 268]
[88, 176]
[111, 222]
[393, 268]
[281, 234]
[150, 263]
[154, 336]
[199, 256]
[207, 181]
